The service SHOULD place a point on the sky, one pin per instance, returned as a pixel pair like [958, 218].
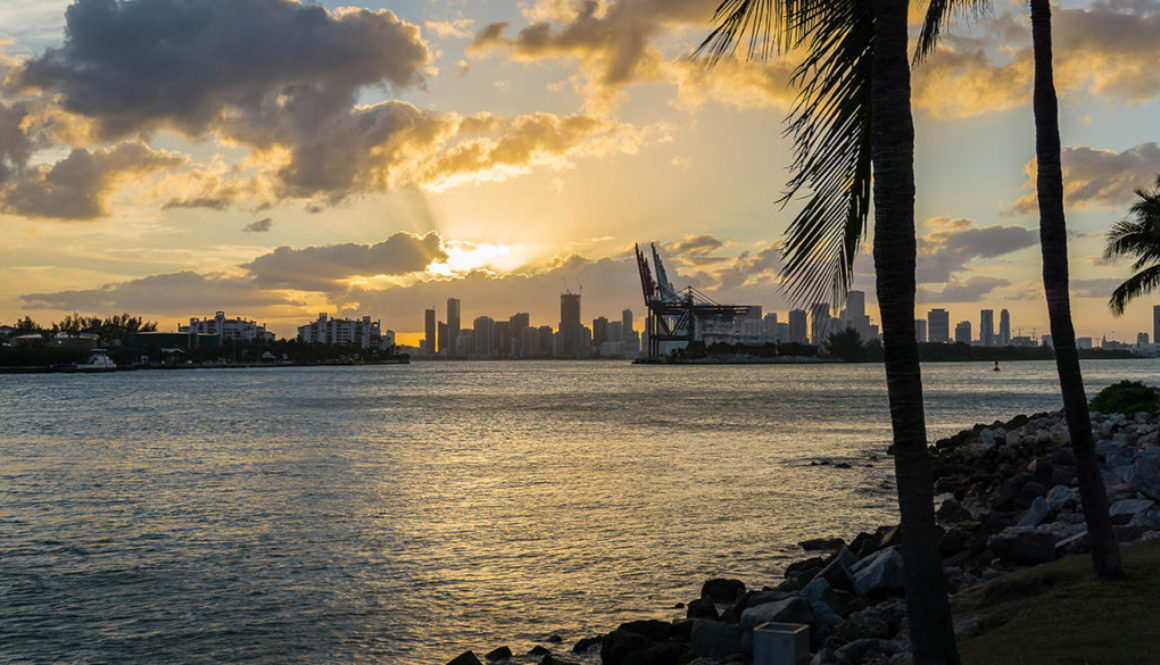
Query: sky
[276, 159]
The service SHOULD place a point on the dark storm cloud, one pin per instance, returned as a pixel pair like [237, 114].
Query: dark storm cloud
[78, 186]
[953, 243]
[16, 146]
[174, 293]
[324, 268]
[259, 226]
[138, 65]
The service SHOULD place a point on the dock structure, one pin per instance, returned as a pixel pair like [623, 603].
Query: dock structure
[676, 316]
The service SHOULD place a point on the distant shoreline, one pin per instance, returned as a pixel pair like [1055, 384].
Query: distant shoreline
[42, 369]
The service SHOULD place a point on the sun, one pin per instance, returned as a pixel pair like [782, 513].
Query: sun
[465, 257]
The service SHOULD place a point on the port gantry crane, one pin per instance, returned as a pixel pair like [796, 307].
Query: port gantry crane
[675, 316]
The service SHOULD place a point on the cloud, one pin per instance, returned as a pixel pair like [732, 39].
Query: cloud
[973, 289]
[259, 226]
[1094, 177]
[1106, 50]
[177, 293]
[78, 187]
[139, 65]
[16, 146]
[459, 28]
[326, 268]
[953, 243]
[1095, 288]
[695, 244]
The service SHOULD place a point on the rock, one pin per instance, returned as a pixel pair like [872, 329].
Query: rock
[654, 630]
[881, 571]
[1131, 506]
[889, 536]
[863, 544]
[619, 644]
[837, 572]
[668, 653]
[702, 608]
[1023, 545]
[801, 566]
[863, 650]
[824, 601]
[951, 511]
[499, 653]
[555, 638]
[1039, 511]
[723, 590]
[822, 544]
[465, 658]
[713, 639]
[1144, 473]
[539, 652]
[878, 621]
[790, 610]
[585, 644]
[553, 660]
[1061, 497]
[770, 596]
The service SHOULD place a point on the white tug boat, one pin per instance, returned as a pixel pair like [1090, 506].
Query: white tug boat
[99, 361]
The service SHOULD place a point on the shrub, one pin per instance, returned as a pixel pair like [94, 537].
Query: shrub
[1127, 397]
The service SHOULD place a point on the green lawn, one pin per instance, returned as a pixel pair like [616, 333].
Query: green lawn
[1060, 614]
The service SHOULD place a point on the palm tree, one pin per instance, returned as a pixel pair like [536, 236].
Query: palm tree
[1138, 237]
[1053, 244]
[852, 119]
[1053, 241]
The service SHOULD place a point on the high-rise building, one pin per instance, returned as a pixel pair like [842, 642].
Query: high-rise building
[963, 332]
[442, 338]
[1156, 323]
[362, 332]
[987, 327]
[429, 331]
[820, 322]
[237, 328]
[452, 325]
[501, 340]
[599, 331]
[1004, 328]
[1142, 339]
[856, 314]
[769, 326]
[798, 330]
[938, 325]
[483, 336]
[570, 325]
[518, 323]
[545, 350]
[626, 321]
[920, 330]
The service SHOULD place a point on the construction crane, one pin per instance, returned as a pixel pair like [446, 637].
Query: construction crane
[676, 316]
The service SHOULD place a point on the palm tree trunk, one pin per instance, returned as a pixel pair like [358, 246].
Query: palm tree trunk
[928, 609]
[1053, 240]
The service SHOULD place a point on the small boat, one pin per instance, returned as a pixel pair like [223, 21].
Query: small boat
[99, 361]
[996, 368]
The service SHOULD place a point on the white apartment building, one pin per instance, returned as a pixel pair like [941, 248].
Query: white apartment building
[363, 332]
[237, 329]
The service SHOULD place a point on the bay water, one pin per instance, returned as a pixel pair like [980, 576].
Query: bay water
[403, 514]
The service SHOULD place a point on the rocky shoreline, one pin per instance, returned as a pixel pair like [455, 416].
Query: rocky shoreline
[1006, 499]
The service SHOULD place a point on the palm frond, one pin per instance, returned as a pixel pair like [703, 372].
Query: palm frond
[1135, 286]
[938, 16]
[830, 125]
[765, 27]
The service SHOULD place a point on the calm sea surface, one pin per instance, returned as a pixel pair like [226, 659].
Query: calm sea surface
[402, 514]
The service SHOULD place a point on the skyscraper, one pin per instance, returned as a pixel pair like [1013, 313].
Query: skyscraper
[1004, 328]
[452, 325]
[856, 313]
[920, 330]
[626, 322]
[570, 324]
[483, 331]
[797, 326]
[518, 323]
[599, 331]
[1156, 324]
[963, 332]
[938, 322]
[987, 327]
[820, 322]
[429, 331]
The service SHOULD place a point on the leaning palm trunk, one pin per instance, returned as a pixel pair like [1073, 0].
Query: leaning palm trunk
[1053, 240]
[928, 609]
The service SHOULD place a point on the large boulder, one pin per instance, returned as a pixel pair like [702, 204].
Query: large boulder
[702, 608]
[824, 602]
[500, 653]
[668, 653]
[1037, 514]
[723, 591]
[657, 631]
[619, 644]
[790, 610]
[837, 571]
[1023, 545]
[881, 571]
[1144, 473]
[465, 658]
[714, 639]
[881, 621]
[1061, 497]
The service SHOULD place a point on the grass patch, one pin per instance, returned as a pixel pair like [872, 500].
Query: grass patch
[1060, 614]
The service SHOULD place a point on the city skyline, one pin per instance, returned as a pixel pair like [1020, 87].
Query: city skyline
[444, 153]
